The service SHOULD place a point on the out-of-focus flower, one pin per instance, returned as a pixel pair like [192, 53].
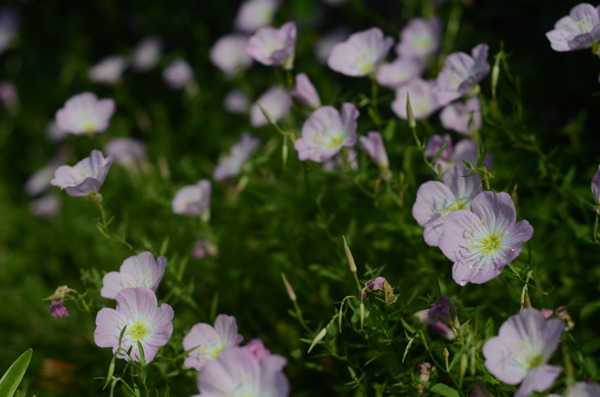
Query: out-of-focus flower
[9, 25]
[480, 391]
[461, 72]
[85, 178]
[254, 14]
[127, 152]
[361, 54]
[420, 39]
[146, 54]
[577, 31]
[305, 92]
[54, 133]
[436, 200]
[109, 70]
[581, 389]
[464, 150]
[258, 349]
[58, 309]
[274, 47]
[444, 310]
[239, 154]
[203, 248]
[522, 349]
[437, 328]
[45, 207]
[327, 41]
[238, 372]
[84, 113]
[205, 342]
[178, 74]
[423, 99]
[345, 159]
[424, 374]
[145, 324]
[326, 132]
[236, 101]
[193, 200]
[373, 145]
[141, 270]
[380, 284]
[276, 101]
[462, 117]
[596, 190]
[229, 54]
[435, 143]
[399, 72]
[564, 315]
[40, 180]
[481, 242]
[9, 95]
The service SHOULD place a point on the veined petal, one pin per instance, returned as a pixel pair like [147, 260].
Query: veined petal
[538, 379]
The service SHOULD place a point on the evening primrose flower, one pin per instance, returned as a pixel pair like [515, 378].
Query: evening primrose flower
[85, 113]
[326, 132]
[276, 101]
[127, 152]
[146, 54]
[481, 242]
[258, 349]
[141, 270]
[58, 309]
[423, 99]
[420, 39]
[254, 14]
[205, 342]
[596, 190]
[108, 70]
[581, 389]
[399, 72]
[193, 200]
[436, 200]
[462, 117]
[522, 349]
[361, 54]
[229, 54]
[373, 145]
[239, 154]
[178, 74]
[305, 92]
[236, 101]
[274, 47]
[85, 178]
[577, 31]
[145, 324]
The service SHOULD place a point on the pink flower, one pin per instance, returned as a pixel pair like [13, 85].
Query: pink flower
[193, 200]
[85, 178]
[58, 309]
[141, 270]
[229, 54]
[380, 284]
[274, 47]
[326, 132]
[423, 99]
[305, 92]
[203, 248]
[40, 180]
[522, 349]
[437, 328]
[146, 54]
[239, 154]
[178, 74]
[582, 389]
[361, 54]
[420, 39]
[577, 31]
[46, 207]
[127, 152]
[276, 101]
[205, 342]
[85, 113]
[258, 349]
[236, 101]
[108, 70]
[373, 145]
[596, 190]
[145, 324]
[254, 14]
[462, 117]
[399, 72]
[444, 310]
[9, 95]
[327, 41]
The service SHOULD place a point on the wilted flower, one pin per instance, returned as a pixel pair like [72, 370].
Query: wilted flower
[193, 200]
[146, 54]
[577, 31]
[380, 284]
[178, 74]
[596, 190]
[145, 324]
[127, 152]
[85, 113]
[305, 92]
[236, 101]
[85, 178]
[58, 309]
[520, 352]
[437, 328]
[399, 72]
[361, 54]
[420, 39]
[9, 24]
[461, 72]
[229, 54]
[444, 310]
[481, 242]
[238, 372]
[327, 41]
[326, 132]
[239, 154]
[436, 200]
[373, 145]
[462, 117]
[141, 270]
[108, 70]
[254, 14]
[276, 101]
[205, 342]
[423, 99]
[274, 47]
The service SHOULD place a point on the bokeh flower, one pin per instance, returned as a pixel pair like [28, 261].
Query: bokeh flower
[305, 92]
[399, 72]
[373, 145]
[254, 14]
[127, 152]
[108, 70]
[239, 154]
[45, 207]
[236, 101]
[141, 270]
[229, 54]
[193, 200]
[361, 54]
[145, 323]
[146, 54]
[274, 47]
[443, 310]
[481, 242]
[178, 74]
[462, 117]
[258, 349]
[581, 389]
[9, 26]
[58, 309]
[327, 41]
[522, 349]
[86, 177]
[85, 113]
[276, 101]
[420, 39]
[423, 99]
[596, 190]
[578, 30]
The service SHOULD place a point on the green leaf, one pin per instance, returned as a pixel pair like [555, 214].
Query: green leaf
[12, 377]
[444, 390]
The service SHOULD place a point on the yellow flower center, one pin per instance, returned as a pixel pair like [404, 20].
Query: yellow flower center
[137, 331]
[535, 360]
[490, 243]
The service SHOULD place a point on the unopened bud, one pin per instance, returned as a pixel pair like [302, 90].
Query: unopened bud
[495, 75]
[349, 256]
[288, 288]
[318, 338]
[409, 112]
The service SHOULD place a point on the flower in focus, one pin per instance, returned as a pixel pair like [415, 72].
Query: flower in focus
[373, 145]
[193, 200]
[380, 284]
[239, 154]
[141, 270]
[145, 324]
[236, 101]
[254, 14]
[481, 242]
[461, 72]
[127, 152]
[596, 190]
[577, 31]
[146, 54]
[229, 54]
[276, 101]
[361, 54]
[423, 99]
[326, 132]
[85, 113]
[9, 25]
[238, 372]
[305, 92]
[85, 178]
[178, 74]
[462, 117]
[436, 200]
[520, 352]
[274, 47]
[58, 309]
[420, 39]
[108, 70]
[399, 72]
[205, 342]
